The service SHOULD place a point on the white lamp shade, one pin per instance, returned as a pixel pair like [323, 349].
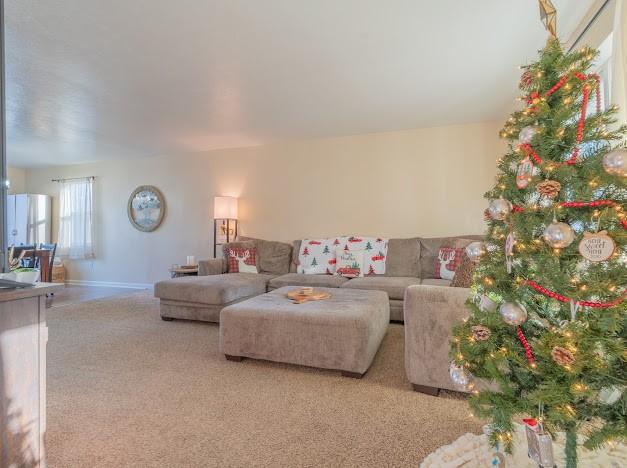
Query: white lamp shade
[225, 208]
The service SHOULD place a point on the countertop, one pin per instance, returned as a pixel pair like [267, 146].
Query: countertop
[38, 290]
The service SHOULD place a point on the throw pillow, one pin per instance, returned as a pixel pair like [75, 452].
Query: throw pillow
[463, 274]
[447, 262]
[244, 267]
[246, 255]
[272, 257]
[375, 251]
[316, 257]
[429, 250]
[350, 263]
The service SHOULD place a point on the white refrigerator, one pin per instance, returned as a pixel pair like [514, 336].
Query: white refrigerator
[28, 219]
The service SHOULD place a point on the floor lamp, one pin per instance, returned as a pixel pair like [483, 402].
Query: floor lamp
[224, 221]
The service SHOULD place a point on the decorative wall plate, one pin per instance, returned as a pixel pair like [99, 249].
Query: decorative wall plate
[146, 208]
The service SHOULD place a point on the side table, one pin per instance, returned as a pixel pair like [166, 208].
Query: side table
[178, 272]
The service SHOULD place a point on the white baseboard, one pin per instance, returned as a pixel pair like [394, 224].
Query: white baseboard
[110, 284]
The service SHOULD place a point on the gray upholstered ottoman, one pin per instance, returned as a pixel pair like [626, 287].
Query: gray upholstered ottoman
[342, 333]
[203, 297]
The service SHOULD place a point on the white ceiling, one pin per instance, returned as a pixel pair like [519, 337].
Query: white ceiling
[89, 80]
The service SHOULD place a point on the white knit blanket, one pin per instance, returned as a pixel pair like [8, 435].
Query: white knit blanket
[474, 451]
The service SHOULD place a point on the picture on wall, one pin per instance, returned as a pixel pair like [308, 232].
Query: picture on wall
[146, 208]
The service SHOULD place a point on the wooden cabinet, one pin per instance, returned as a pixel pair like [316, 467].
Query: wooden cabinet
[23, 338]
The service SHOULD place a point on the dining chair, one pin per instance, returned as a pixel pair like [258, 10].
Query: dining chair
[53, 250]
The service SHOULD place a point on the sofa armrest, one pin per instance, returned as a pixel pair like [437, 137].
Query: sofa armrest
[212, 266]
[430, 313]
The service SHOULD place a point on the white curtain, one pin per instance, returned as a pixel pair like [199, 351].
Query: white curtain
[76, 233]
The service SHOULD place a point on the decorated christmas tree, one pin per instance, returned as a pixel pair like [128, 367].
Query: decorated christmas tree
[547, 327]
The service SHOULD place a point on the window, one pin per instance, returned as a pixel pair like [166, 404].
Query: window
[602, 66]
[76, 232]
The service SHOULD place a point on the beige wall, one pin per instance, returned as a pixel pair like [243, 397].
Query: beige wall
[17, 177]
[425, 182]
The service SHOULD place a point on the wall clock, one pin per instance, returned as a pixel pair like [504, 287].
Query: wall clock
[146, 208]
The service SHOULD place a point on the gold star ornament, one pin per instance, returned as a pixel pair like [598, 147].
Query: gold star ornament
[548, 15]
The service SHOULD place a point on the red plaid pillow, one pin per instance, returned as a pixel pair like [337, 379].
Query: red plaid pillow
[449, 258]
[234, 254]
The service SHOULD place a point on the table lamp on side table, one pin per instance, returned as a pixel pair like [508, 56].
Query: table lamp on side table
[224, 221]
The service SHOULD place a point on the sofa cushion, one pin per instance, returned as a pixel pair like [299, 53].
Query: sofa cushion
[429, 249]
[394, 286]
[403, 257]
[435, 282]
[272, 257]
[297, 279]
[214, 289]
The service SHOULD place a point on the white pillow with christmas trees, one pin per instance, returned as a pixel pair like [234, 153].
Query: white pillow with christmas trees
[375, 252]
[316, 257]
[349, 263]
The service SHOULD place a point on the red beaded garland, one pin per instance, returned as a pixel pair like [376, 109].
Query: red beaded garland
[574, 204]
[525, 344]
[559, 297]
[582, 118]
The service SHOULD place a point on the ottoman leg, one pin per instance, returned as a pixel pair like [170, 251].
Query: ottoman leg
[233, 358]
[167, 319]
[352, 375]
[433, 391]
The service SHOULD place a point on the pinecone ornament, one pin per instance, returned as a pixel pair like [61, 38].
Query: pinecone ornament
[549, 188]
[480, 333]
[526, 79]
[562, 356]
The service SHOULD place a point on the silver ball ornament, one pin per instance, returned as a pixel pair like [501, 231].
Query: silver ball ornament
[475, 250]
[610, 395]
[558, 235]
[499, 209]
[513, 313]
[527, 133]
[615, 162]
[462, 380]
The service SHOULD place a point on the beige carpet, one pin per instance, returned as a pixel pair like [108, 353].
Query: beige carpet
[127, 389]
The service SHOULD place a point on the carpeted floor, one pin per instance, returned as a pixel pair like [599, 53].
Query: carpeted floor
[126, 389]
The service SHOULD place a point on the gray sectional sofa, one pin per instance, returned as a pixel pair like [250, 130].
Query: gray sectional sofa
[410, 262]
[428, 306]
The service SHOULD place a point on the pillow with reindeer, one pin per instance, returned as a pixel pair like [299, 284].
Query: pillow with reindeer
[449, 258]
[241, 259]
